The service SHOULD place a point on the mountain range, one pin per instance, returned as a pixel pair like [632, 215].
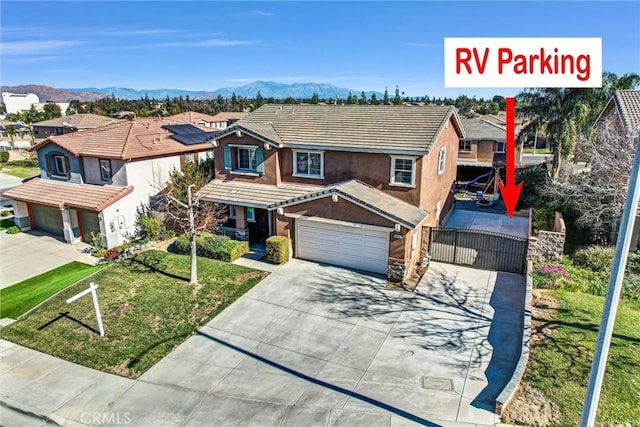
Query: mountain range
[266, 89]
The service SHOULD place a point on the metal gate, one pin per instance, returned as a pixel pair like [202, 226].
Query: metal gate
[480, 249]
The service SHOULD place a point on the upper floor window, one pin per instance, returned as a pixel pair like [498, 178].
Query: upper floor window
[464, 145]
[59, 131]
[403, 171]
[244, 159]
[60, 165]
[105, 169]
[442, 157]
[499, 147]
[189, 158]
[308, 164]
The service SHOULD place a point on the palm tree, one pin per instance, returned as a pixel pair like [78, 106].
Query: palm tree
[561, 112]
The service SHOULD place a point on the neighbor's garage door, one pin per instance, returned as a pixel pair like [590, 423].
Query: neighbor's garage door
[343, 245]
[47, 219]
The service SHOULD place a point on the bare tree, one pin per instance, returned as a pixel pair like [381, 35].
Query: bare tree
[187, 213]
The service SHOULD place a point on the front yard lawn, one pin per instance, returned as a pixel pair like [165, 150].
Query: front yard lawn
[22, 297]
[559, 364]
[21, 171]
[148, 308]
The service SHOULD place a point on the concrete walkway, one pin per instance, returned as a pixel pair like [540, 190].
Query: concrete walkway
[6, 182]
[516, 226]
[30, 253]
[309, 345]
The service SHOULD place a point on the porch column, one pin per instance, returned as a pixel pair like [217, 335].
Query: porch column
[242, 231]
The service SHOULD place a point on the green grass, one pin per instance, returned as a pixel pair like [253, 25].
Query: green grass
[559, 365]
[21, 297]
[147, 311]
[21, 171]
[529, 150]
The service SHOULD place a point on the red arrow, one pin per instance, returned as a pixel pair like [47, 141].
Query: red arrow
[511, 192]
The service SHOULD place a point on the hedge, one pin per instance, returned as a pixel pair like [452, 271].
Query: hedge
[278, 249]
[213, 246]
[4, 156]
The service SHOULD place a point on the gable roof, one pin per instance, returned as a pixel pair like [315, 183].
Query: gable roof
[125, 140]
[478, 128]
[365, 128]
[64, 194]
[627, 104]
[192, 117]
[79, 121]
[224, 116]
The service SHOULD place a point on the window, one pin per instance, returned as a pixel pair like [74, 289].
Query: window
[464, 146]
[442, 156]
[402, 171]
[232, 211]
[59, 165]
[251, 214]
[59, 131]
[189, 158]
[247, 159]
[308, 164]
[499, 147]
[105, 169]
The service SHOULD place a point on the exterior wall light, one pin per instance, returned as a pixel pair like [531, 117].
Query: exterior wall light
[397, 228]
[334, 197]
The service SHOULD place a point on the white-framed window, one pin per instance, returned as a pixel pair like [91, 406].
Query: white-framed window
[442, 157]
[189, 158]
[105, 169]
[250, 213]
[59, 165]
[403, 171]
[309, 164]
[464, 145]
[500, 147]
[247, 159]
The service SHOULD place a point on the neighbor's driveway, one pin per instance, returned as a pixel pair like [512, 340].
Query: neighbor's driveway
[28, 254]
[309, 345]
[516, 226]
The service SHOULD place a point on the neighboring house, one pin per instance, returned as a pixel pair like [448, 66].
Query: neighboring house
[482, 147]
[18, 102]
[351, 185]
[219, 121]
[95, 181]
[619, 119]
[68, 124]
[14, 135]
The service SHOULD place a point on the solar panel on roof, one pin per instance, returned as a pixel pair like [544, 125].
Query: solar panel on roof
[189, 134]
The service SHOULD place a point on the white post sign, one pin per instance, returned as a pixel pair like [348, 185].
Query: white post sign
[92, 290]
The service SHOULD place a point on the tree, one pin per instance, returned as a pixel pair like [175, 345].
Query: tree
[52, 111]
[363, 99]
[314, 98]
[187, 213]
[397, 100]
[374, 99]
[385, 97]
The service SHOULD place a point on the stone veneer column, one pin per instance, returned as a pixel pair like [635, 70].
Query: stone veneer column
[396, 269]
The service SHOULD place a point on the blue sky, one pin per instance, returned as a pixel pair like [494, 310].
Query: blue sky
[207, 45]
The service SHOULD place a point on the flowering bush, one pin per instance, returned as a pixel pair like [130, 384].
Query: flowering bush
[550, 276]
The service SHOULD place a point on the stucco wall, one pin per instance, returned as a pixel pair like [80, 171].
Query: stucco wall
[92, 171]
[74, 164]
[271, 170]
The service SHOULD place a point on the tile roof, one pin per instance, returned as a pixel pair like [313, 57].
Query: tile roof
[253, 195]
[191, 117]
[129, 139]
[79, 121]
[63, 194]
[379, 128]
[270, 197]
[224, 116]
[479, 128]
[628, 102]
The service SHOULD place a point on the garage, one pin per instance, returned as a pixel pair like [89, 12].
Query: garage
[358, 246]
[47, 219]
[90, 225]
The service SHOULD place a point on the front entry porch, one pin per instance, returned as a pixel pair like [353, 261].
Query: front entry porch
[248, 224]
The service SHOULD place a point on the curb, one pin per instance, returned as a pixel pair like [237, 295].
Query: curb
[25, 409]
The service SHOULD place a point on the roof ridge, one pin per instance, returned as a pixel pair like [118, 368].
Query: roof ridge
[126, 140]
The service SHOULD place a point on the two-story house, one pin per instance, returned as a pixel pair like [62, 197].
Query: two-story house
[219, 121]
[350, 185]
[69, 124]
[95, 181]
[617, 131]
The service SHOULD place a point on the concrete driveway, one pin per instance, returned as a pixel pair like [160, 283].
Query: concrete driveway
[474, 220]
[28, 254]
[315, 344]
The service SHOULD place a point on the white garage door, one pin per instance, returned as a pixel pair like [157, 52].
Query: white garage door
[343, 245]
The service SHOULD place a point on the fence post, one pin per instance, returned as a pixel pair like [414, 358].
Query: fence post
[455, 245]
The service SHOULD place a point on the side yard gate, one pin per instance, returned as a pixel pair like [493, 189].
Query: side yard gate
[480, 249]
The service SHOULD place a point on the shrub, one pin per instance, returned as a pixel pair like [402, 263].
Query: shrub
[4, 156]
[13, 229]
[278, 249]
[543, 219]
[595, 258]
[5, 214]
[96, 240]
[27, 163]
[153, 259]
[213, 246]
[111, 254]
[151, 228]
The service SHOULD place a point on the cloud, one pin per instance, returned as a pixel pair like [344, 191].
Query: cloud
[210, 43]
[33, 59]
[145, 32]
[29, 47]
[257, 12]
